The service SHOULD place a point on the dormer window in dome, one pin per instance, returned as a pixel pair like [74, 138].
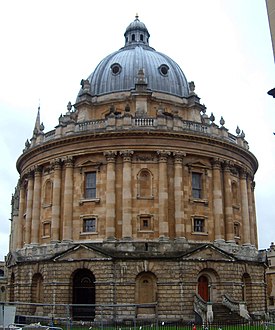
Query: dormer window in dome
[116, 69]
[163, 69]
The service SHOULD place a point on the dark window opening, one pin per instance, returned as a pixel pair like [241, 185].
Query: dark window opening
[90, 185]
[163, 69]
[89, 225]
[197, 185]
[199, 225]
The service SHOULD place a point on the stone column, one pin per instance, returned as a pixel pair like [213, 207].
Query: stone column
[229, 226]
[252, 215]
[244, 207]
[68, 200]
[29, 209]
[22, 208]
[55, 226]
[36, 207]
[217, 200]
[110, 194]
[178, 191]
[163, 194]
[127, 194]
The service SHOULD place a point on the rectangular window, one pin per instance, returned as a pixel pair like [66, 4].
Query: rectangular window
[199, 225]
[236, 230]
[46, 229]
[196, 185]
[90, 185]
[89, 225]
[145, 222]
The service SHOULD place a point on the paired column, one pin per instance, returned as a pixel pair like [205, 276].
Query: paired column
[229, 226]
[68, 200]
[55, 226]
[163, 194]
[217, 199]
[178, 195]
[110, 194]
[244, 206]
[29, 209]
[35, 225]
[22, 205]
[127, 194]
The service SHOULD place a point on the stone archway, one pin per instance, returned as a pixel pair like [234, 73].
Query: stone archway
[146, 292]
[83, 294]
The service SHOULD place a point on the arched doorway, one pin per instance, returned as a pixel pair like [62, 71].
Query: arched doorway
[203, 289]
[146, 292]
[83, 294]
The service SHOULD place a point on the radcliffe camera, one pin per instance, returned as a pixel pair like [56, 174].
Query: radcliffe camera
[137, 208]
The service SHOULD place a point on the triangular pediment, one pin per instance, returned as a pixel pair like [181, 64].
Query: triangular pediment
[82, 252]
[197, 163]
[208, 252]
[88, 163]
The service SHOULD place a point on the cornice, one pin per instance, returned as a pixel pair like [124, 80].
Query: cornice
[94, 136]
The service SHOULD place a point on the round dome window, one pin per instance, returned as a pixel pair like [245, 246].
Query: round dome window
[116, 69]
[163, 69]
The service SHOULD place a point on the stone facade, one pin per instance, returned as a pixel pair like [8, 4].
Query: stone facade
[140, 194]
[270, 274]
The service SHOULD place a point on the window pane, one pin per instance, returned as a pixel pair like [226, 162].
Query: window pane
[89, 225]
[90, 185]
[196, 185]
[199, 225]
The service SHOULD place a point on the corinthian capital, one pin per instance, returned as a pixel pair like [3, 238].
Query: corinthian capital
[127, 155]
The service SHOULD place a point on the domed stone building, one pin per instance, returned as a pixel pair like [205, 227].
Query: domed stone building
[137, 197]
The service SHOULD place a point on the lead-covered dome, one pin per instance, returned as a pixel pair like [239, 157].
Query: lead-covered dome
[118, 71]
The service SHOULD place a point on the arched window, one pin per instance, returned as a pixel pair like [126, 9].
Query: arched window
[133, 37]
[145, 184]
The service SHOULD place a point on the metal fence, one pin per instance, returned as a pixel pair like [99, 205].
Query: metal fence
[30, 316]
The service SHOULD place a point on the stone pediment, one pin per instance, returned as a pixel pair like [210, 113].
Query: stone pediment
[82, 252]
[208, 252]
[88, 163]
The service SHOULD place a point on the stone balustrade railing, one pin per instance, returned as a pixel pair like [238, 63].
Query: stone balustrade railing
[160, 123]
[235, 306]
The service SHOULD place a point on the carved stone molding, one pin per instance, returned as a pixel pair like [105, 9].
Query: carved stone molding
[163, 155]
[110, 156]
[127, 155]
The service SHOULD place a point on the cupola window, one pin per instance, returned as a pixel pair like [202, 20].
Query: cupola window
[133, 37]
[141, 37]
[163, 69]
[116, 69]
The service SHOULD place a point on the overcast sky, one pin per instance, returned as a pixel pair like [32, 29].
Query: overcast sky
[224, 46]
